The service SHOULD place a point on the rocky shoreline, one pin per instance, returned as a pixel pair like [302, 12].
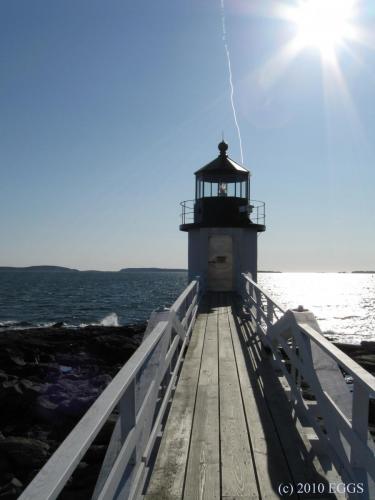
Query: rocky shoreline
[49, 377]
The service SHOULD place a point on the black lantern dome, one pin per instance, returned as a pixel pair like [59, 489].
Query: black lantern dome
[222, 196]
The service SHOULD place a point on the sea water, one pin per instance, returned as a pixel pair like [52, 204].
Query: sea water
[43, 298]
[343, 303]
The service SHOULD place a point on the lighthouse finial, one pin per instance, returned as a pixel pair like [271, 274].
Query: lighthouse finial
[223, 146]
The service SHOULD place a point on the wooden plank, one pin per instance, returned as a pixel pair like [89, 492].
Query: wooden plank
[168, 474]
[167, 479]
[237, 469]
[268, 455]
[225, 342]
[197, 337]
[209, 367]
[203, 470]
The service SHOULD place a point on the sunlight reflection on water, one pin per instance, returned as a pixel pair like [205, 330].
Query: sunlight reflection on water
[343, 303]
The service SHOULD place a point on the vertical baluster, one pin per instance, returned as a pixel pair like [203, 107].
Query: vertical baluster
[293, 369]
[245, 290]
[253, 305]
[128, 415]
[258, 299]
[269, 312]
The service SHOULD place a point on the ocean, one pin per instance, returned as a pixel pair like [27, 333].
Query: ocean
[343, 303]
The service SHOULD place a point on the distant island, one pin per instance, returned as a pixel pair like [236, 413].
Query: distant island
[150, 270]
[68, 269]
[39, 268]
[363, 272]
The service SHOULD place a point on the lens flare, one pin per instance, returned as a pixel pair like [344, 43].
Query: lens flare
[323, 24]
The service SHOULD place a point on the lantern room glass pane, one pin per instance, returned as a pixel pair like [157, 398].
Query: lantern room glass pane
[231, 189]
[243, 189]
[207, 189]
[200, 189]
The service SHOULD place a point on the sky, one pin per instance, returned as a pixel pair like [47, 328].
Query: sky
[108, 108]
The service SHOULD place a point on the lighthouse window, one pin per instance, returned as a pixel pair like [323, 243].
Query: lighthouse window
[207, 189]
[242, 192]
[223, 189]
[231, 189]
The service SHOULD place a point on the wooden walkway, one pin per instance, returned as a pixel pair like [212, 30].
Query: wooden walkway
[230, 432]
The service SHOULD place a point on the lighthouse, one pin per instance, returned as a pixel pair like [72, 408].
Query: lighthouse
[222, 225]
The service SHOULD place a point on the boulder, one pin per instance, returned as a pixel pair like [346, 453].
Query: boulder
[76, 407]
[24, 452]
[45, 409]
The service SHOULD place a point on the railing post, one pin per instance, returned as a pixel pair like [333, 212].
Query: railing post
[360, 413]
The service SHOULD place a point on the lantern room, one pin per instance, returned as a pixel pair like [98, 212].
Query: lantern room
[222, 196]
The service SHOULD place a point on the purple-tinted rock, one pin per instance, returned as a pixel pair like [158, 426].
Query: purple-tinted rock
[76, 407]
[24, 452]
[41, 403]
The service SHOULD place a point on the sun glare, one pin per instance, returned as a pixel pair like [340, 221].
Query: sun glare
[323, 24]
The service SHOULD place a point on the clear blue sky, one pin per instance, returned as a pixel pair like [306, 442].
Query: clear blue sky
[108, 107]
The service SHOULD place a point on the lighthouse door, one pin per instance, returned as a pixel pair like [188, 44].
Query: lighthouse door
[220, 263]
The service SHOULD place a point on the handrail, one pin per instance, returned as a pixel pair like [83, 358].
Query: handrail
[187, 211]
[302, 353]
[141, 390]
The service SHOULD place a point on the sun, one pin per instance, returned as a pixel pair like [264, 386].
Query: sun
[323, 24]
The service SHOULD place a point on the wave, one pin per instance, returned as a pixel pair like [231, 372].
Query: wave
[25, 325]
[110, 319]
[15, 324]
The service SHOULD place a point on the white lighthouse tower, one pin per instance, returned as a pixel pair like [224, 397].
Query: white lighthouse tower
[222, 224]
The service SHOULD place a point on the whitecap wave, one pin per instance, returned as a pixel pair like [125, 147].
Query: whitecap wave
[14, 325]
[110, 320]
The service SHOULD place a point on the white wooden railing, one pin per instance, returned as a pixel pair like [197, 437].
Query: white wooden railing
[141, 391]
[307, 359]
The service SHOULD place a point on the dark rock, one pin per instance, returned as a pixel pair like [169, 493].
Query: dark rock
[5, 464]
[8, 492]
[363, 354]
[76, 407]
[41, 402]
[45, 409]
[15, 482]
[11, 489]
[101, 381]
[24, 452]
[95, 454]
[31, 390]
[18, 360]
[106, 431]
[12, 387]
